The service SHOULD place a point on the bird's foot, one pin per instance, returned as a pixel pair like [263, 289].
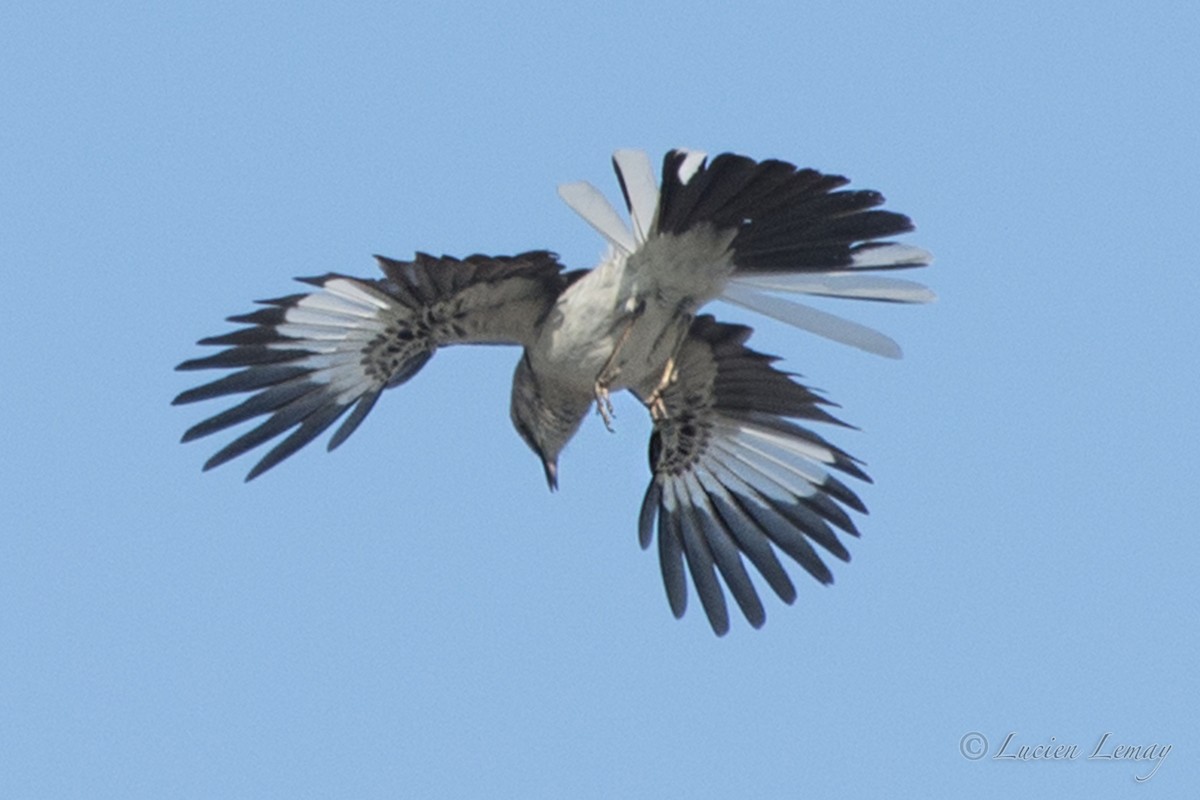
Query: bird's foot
[604, 405]
[612, 369]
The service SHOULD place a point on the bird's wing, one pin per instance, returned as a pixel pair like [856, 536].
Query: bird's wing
[786, 229]
[734, 475]
[308, 358]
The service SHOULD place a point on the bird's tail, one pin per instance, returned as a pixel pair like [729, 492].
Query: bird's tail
[795, 231]
[798, 232]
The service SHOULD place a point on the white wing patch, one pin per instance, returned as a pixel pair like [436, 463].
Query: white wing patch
[779, 458]
[334, 325]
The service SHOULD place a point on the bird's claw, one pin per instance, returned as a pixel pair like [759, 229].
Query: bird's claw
[604, 405]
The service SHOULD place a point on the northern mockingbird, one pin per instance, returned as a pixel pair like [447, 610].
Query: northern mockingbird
[734, 474]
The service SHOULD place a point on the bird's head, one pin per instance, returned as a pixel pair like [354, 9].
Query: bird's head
[546, 423]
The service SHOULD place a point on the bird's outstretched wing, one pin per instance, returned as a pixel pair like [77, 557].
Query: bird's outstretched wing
[734, 475]
[309, 358]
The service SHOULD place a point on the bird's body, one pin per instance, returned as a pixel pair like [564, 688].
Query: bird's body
[632, 304]
[733, 474]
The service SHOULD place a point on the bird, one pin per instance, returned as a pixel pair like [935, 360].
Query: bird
[737, 474]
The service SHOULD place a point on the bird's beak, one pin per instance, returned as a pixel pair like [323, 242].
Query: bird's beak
[551, 468]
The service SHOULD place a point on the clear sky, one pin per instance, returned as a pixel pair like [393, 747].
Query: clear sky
[415, 615]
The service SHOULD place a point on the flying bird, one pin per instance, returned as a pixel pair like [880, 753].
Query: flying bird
[736, 473]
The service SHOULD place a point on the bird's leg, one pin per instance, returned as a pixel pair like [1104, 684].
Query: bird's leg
[610, 371]
[658, 409]
[654, 401]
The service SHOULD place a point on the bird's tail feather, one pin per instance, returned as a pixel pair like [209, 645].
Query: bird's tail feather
[798, 232]
[787, 219]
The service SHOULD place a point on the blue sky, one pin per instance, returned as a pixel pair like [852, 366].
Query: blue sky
[415, 615]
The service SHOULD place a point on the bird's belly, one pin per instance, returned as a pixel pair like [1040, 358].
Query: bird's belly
[624, 319]
[626, 342]
[575, 347]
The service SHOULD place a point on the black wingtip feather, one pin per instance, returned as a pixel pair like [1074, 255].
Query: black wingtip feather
[290, 408]
[246, 380]
[670, 562]
[243, 357]
[725, 554]
[650, 507]
[310, 428]
[349, 425]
